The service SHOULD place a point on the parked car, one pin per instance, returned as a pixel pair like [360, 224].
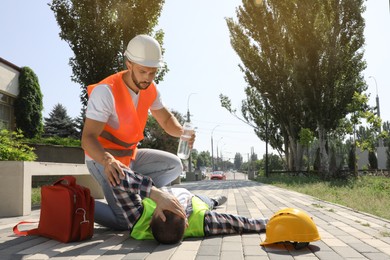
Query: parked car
[218, 175]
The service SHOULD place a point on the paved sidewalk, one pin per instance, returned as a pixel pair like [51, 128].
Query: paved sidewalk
[345, 234]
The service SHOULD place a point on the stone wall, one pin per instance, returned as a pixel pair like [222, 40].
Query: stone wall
[58, 153]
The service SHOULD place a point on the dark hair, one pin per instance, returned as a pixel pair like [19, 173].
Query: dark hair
[169, 232]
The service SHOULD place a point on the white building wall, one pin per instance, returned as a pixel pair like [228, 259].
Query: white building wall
[382, 157]
[9, 80]
[362, 158]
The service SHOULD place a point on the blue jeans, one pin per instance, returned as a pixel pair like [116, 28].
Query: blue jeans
[162, 167]
[207, 200]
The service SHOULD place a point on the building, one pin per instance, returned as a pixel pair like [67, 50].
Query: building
[9, 90]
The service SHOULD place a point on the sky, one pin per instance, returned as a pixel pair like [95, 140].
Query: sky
[200, 58]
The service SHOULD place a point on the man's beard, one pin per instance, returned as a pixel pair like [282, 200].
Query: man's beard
[138, 84]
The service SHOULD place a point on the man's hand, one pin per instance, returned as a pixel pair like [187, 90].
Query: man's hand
[113, 169]
[89, 142]
[166, 201]
[192, 140]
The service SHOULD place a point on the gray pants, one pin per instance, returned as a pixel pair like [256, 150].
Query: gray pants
[162, 167]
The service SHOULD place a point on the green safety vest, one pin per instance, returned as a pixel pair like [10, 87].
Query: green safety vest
[142, 230]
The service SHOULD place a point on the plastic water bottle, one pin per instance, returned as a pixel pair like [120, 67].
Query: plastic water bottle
[183, 150]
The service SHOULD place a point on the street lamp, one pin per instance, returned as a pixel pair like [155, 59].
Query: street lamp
[217, 151]
[212, 149]
[377, 108]
[266, 96]
[377, 96]
[189, 120]
[223, 145]
[188, 107]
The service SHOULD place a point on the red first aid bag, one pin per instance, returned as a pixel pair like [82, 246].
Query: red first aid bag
[66, 212]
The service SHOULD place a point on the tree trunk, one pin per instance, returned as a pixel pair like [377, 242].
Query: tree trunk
[324, 157]
[287, 153]
[297, 155]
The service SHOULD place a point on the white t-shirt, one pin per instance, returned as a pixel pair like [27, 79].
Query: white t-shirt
[101, 105]
[182, 195]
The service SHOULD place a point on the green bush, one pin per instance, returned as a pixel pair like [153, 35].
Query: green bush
[55, 140]
[12, 148]
[373, 160]
[29, 105]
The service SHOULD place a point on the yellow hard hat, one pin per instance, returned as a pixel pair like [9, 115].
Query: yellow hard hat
[291, 225]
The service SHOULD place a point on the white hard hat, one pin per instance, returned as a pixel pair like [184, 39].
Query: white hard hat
[144, 50]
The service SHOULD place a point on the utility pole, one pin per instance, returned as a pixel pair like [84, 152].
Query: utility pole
[189, 120]
[212, 149]
[378, 111]
[266, 96]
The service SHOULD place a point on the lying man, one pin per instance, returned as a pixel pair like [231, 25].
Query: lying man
[132, 196]
[201, 220]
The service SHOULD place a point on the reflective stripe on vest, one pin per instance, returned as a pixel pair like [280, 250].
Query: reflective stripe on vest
[141, 230]
[118, 152]
[121, 142]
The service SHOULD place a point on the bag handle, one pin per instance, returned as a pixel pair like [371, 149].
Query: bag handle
[66, 180]
[18, 232]
[84, 224]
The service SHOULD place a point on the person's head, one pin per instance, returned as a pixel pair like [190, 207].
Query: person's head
[169, 232]
[143, 58]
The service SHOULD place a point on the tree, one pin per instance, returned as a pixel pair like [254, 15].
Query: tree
[386, 129]
[306, 138]
[372, 160]
[238, 161]
[60, 124]
[305, 58]
[98, 31]
[203, 160]
[79, 122]
[333, 161]
[156, 138]
[352, 159]
[275, 162]
[28, 104]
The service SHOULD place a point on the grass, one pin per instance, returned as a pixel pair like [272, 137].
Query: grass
[36, 196]
[370, 194]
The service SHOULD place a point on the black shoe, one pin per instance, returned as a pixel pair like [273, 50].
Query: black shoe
[220, 200]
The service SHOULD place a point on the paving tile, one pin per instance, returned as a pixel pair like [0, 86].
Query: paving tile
[282, 255]
[347, 252]
[162, 252]
[256, 257]
[363, 248]
[251, 239]
[254, 250]
[232, 255]
[209, 250]
[200, 257]
[184, 255]
[377, 256]
[189, 245]
[231, 246]
[332, 242]
[216, 240]
[331, 255]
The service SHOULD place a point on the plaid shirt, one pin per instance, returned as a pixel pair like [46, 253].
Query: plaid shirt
[221, 223]
[130, 192]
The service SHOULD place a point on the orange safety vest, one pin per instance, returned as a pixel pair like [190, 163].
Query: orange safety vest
[122, 142]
